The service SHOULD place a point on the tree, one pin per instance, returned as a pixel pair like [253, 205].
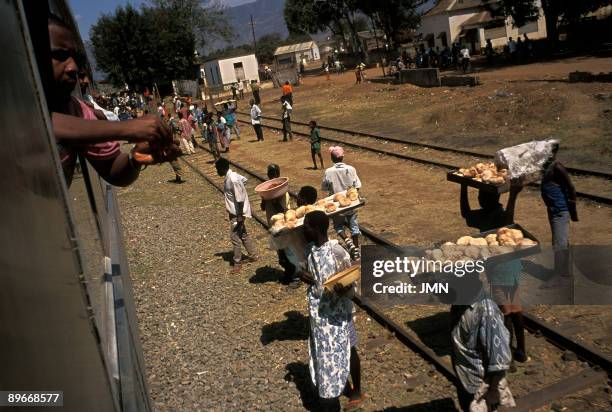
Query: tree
[204, 19]
[392, 16]
[141, 48]
[555, 11]
[117, 45]
[314, 16]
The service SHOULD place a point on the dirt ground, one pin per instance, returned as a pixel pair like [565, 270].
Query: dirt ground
[512, 105]
[205, 351]
[220, 341]
[412, 204]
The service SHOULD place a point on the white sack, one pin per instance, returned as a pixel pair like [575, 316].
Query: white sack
[527, 159]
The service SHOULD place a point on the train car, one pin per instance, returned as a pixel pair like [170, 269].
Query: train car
[68, 322]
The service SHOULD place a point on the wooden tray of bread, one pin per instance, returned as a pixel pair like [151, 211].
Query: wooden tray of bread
[344, 277]
[339, 203]
[494, 246]
[483, 176]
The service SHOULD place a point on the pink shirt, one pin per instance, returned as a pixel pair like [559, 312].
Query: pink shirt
[96, 151]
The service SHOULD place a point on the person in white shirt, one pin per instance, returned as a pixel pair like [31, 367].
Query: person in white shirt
[338, 178]
[465, 58]
[256, 120]
[238, 207]
[286, 116]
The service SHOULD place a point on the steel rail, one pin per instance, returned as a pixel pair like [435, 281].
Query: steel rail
[572, 170]
[583, 380]
[583, 195]
[533, 323]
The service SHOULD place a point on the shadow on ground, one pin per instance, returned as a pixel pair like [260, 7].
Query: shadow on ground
[295, 327]
[434, 331]
[267, 274]
[226, 256]
[445, 405]
[298, 373]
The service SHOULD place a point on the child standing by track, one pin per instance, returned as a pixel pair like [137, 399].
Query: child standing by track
[315, 144]
[333, 339]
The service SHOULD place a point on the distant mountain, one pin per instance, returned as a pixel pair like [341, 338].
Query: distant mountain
[267, 15]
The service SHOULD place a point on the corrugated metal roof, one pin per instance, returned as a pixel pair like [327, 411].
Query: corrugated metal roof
[294, 48]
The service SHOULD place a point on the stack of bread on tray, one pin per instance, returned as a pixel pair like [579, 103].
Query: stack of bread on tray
[292, 218]
[485, 172]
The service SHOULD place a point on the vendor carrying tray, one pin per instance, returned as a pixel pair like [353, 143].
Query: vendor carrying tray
[518, 253]
[455, 176]
[360, 202]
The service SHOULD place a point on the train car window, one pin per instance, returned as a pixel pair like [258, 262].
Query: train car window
[67, 308]
[48, 334]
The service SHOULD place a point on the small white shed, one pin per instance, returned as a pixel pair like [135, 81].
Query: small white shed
[224, 71]
[296, 53]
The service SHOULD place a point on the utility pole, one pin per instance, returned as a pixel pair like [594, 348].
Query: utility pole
[253, 31]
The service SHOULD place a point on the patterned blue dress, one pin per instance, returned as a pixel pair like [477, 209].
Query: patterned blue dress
[330, 316]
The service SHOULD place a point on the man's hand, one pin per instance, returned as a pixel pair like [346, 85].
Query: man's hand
[516, 185]
[149, 128]
[151, 153]
[240, 218]
[573, 211]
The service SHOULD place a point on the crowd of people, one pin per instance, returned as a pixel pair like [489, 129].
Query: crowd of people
[458, 56]
[481, 332]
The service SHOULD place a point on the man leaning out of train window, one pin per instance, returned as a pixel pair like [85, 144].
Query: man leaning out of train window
[79, 131]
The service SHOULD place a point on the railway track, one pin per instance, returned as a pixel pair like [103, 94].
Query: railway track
[600, 364]
[587, 181]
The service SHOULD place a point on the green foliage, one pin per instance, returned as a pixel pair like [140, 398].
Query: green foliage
[342, 16]
[309, 16]
[155, 44]
[555, 11]
[205, 21]
[392, 16]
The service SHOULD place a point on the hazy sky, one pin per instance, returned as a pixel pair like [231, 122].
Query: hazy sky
[86, 12]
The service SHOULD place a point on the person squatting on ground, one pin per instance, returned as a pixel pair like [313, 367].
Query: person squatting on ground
[79, 130]
[504, 277]
[480, 348]
[256, 120]
[315, 144]
[185, 128]
[332, 344]
[238, 207]
[559, 196]
[272, 207]
[338, 178]
[286, 116]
